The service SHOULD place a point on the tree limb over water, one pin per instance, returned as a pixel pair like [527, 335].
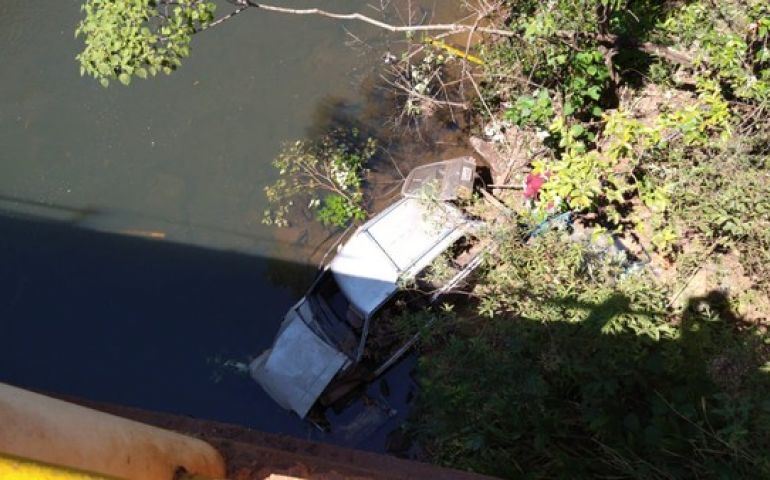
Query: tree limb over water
[146, 37]
[439, 27]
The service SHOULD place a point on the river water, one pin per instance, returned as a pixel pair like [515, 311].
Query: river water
[134, 263]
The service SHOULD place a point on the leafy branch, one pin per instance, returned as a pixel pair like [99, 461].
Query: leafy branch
[327, 174]
[138, 38]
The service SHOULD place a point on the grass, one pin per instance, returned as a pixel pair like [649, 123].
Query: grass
[578, 361]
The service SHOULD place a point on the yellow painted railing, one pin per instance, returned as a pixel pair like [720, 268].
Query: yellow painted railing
[13, 468]
[64, 440]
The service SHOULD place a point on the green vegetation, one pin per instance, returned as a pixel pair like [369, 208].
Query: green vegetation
[138, 37]
[577, 370]
[327, 175]
[648, 122]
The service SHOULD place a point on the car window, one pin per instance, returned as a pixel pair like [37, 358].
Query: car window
[338, 303]
[334, 314]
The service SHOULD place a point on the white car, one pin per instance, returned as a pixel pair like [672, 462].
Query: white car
[324, 336]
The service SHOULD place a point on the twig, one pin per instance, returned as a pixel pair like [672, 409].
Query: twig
[445, 27]
[695, 272]
[223, 19]
[393, 162]
[703, 430]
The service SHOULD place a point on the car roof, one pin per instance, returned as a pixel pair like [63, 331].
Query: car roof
[393, 246]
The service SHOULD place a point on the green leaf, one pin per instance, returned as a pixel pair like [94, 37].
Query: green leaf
[124, 78]
[124, 36]
[577, 130]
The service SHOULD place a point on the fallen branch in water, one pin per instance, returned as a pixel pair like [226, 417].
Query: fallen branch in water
[439, 27]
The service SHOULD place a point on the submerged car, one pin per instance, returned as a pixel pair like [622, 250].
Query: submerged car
[325, 337]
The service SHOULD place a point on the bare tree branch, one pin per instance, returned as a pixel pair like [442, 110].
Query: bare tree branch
[440, 27]
[225, 18]
[607, 39]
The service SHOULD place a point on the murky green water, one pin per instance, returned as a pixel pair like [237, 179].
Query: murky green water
[174, 167]
[183, 157]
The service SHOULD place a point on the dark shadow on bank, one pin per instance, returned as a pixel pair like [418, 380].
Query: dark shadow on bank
[525, 399]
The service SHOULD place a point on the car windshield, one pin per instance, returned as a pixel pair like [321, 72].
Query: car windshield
[335, 315]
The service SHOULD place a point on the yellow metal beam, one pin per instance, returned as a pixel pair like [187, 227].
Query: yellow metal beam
[33, 426]
[453, 51]
[14, 468]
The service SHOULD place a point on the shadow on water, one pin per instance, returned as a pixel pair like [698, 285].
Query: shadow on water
[437, 137]
[132, 223]
[134, 321]
[145, 315]
[145, 323]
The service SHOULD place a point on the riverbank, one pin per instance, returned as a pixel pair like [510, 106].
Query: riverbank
[630, 338]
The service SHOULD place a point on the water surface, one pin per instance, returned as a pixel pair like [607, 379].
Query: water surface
[134, 260]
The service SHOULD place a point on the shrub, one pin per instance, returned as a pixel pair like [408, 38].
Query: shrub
[326, 175]
[571, 364]
[578, 372]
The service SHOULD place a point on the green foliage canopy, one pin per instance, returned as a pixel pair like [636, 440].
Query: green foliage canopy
[127, 38]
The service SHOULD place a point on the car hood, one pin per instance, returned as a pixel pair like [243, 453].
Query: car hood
[298, 367]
